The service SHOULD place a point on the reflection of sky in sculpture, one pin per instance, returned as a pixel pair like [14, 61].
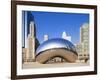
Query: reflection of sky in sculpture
[55, 43]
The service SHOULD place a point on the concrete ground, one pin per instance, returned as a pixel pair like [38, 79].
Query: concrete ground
[30, 65]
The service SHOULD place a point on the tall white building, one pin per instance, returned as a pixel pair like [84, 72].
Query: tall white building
[46, 37]
[84, 32]
[84, 36]
[65, 36]
[31, 43]
[83, 47]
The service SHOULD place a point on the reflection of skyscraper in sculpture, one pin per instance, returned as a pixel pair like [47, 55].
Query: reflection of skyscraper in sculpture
[31, 43]
[46, 37]
[65, 36]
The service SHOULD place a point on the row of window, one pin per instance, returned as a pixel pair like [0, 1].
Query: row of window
[83, 54]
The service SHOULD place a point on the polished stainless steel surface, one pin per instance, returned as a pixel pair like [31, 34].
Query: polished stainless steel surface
[55, 43]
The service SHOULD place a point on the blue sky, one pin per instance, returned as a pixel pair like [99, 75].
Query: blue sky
[53, 24]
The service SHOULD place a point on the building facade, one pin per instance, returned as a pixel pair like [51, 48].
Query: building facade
[31, 43]
[84, 34]
[83, 46]
[29, 53]
[24, 54]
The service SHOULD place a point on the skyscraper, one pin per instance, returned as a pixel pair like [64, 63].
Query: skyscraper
[29, 40]
[84, 36]
[31, 43]
[27, 17]
[83, 46]
[65, 36]
[46, 37]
